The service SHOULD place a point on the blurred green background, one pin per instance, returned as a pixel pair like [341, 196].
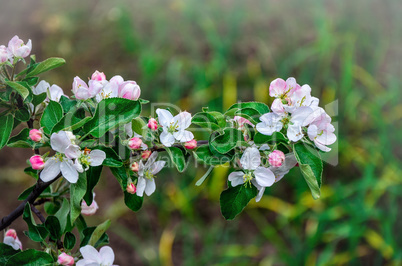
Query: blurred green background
[213, 53]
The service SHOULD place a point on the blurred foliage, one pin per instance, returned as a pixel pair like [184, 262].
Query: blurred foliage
[213, 53]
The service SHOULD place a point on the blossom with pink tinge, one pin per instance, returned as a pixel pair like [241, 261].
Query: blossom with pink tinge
[145, 154]
[18, 48]
[134, 167]
[241, 121]
[5, 54]
[129, 90]
[89, 210]
[65, 259]
[37, 162]
[191, 144]
[131, 188]
[276, 158]
[134, 143]
[98, 76]
[152, 124]
[82, 91]
[12, 240]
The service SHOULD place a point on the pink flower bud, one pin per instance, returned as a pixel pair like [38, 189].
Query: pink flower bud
[145, 154]
[98, 76]
[131, 188]
[65, 259]
[89, 210]
[35, 135]
[152, 124]
[276, 158]
[37, 162]
[134, 167]
[191, 144]
[12, 233]
[135, 143]
[129, 90]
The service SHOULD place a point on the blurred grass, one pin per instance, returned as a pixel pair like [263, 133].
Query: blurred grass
[210, 53]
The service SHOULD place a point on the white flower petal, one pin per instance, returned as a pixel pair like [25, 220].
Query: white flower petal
[150, 186]
[157, 166]
[72, 151]
[312, 131]
[236, 178]
[90, 253]
[264, 176]
[295, 132]
[164, 117]
[50, 170]
[151, 160]
[183, 135]
[8, 240]
[41, 87]
[264, 129]
[250, 159]
[55, 93]
[321, 146]
[96, 157]
[107, 255]
[260, 194]
[140, 186]
[183, 120]
[300, 116]
[60, 141]
[167, 139]
[68, 171]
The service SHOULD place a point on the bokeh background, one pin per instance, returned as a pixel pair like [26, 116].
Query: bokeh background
[213, 53]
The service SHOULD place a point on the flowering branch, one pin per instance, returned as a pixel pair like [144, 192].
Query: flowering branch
[101, 126]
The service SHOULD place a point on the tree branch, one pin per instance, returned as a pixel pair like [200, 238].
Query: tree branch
[38, 189]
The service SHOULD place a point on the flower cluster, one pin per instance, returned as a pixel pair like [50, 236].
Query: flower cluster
[100, 88]
[69, 158]
[298, 113]
[15, 50]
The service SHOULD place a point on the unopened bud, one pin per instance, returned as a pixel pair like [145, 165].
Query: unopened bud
[276, 158]
[37, 162]
[152, 124]
[191, 144]
[134, 143]
[131, 188]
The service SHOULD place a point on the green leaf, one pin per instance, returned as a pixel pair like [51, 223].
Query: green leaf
[51, 116]
[177, 157]
[121, 176]
[6, 252]
[24, 195]
[77, 192]
[22, 114]
[276, 137]
[6, 126]
[87, 233]
[234, 199]
[210, 120]
[21, 140]
[52, 224]
[99, 231]
[112, 159]
[261, 108]
[69, 241]
[67, 103]
[36, 233]
[111, 113]
[93, 175]
[62, 214]
[202, 179]
[133, 201]
[227, 141]
[74, 119]
[46, 65]
[31, 81]
[310, 165]
[139, 126]
[30, 171]
[250, 114]
[21, 89]
[204, 154]
[38, 99]
[30, 257]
